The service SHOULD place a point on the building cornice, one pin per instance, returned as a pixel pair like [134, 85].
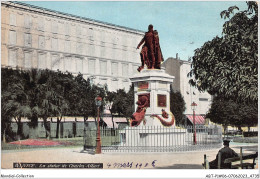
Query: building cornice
[66, 16]
[66, 54]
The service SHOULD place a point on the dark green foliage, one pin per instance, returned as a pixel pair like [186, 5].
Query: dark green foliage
[228, 65]
[130, 102]
[42, 94]
[122, 102]
[229, 112]
[177, 106]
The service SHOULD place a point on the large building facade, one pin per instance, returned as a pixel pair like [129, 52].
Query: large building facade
[180, 69]
[34, 37]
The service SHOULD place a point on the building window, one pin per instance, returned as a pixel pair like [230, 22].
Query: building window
[67, 46]
[114, 70]
[67, 63]
[91, 66]
[67, 29]
[27, 40]
[84, 31]
[103, 82]
[12, 61]
[41, 24]
[55, 62]
[79, 48]
[54, 44]
[135, 69]
[27, 21]
[103, 67]
[41, 42]
[103, 49]
[27, 59]
[12, 37]
[54, 27]
[42, 61]
[73, 64]
[203, 99]
[114, 84]
[12, 19]
[126, 85]
[79, 65]
[125, 69]
[78, 31]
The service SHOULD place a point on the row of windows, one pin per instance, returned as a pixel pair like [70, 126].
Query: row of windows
[55, 42]
[57, 27]
[71, 64]
[28, 23]
[114, 84]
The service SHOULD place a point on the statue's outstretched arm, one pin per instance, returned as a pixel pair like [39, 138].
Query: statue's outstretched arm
[141, 42]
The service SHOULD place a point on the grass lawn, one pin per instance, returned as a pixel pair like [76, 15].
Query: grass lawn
[75, 142]
[246, 139]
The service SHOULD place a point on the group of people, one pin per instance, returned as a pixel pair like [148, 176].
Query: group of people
[151, 54]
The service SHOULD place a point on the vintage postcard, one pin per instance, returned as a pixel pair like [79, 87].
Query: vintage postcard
[108, 85]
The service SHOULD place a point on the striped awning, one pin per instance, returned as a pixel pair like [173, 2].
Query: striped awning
[199, 119]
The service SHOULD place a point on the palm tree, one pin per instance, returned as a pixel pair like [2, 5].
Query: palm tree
[14, 98]
[63, 85]
[43, 98]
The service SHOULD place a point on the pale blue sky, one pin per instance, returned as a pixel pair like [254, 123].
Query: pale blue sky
[182, 26]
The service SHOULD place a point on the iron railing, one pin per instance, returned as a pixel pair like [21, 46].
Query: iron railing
[154, 139]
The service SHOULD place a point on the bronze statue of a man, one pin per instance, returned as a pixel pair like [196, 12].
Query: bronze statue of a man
[151, 54]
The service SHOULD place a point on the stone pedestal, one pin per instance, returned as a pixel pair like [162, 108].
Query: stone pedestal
[155, 84]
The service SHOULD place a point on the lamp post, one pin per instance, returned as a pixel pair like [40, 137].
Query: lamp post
[98, 101]
[193, 107]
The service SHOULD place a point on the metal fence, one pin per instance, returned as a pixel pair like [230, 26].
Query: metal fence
[154, 139]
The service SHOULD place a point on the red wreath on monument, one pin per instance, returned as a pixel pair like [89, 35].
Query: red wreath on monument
[138, 116]
[165, 115]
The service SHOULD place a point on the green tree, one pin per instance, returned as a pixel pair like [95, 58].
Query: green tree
[63, 84]
[110, 99]
[229, 112]
[228, 65]
[83, 98]
[130, 109]
[177, 106]
[14, 99]
[120, 103]
[39, 86]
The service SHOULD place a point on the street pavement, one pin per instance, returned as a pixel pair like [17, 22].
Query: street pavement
[177, 160]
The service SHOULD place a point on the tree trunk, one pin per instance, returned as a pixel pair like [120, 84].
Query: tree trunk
[46, 127]
[112, 119]
[58, 128]
[19, 128]
[85, 138]
[4, 138]
[225, 129]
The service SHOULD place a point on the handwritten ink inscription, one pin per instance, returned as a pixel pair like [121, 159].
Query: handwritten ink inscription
[57, 165]
[133, 165]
